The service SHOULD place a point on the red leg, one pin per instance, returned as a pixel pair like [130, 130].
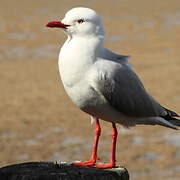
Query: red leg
[112, 162]
[93, 159]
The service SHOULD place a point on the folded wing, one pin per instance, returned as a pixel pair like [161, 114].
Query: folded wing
[122, 88]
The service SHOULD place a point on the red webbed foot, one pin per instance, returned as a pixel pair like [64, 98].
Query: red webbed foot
[104, 166]
[85, 163]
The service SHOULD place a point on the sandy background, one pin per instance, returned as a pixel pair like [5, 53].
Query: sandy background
[38, 122]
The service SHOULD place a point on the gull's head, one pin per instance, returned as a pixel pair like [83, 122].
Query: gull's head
[83, 22]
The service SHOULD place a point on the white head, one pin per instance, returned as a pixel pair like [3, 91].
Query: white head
[80, 22]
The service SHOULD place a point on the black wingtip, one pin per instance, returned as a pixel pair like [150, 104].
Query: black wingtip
[171, 113]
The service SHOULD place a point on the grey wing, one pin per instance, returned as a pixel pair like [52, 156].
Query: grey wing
[124, 91]
[107, 54]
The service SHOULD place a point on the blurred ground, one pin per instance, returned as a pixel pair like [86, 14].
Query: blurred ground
[38, 122]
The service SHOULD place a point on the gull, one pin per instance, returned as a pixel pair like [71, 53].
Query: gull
[103, 83]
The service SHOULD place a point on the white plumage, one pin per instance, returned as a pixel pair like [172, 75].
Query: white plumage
[96, 78]
[101, 82]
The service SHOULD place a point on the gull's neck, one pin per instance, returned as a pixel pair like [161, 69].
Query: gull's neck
[86, 44]
[81, 49]
[77, 55]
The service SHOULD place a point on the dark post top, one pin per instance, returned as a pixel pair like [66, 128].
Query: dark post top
[60, 171]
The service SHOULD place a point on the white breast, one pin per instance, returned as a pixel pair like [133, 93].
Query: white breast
[75, 60]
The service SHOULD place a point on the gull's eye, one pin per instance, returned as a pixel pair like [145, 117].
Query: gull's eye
[80, 21]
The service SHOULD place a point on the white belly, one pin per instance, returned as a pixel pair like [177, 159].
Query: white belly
[93, 103]
[83, 95]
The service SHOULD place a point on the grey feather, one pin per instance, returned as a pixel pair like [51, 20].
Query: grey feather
[124, 91]
[107, 54]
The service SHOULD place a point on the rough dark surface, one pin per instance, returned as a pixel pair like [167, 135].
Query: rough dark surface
[62, 171]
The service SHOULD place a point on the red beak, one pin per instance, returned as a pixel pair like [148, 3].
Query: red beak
[57, 24]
